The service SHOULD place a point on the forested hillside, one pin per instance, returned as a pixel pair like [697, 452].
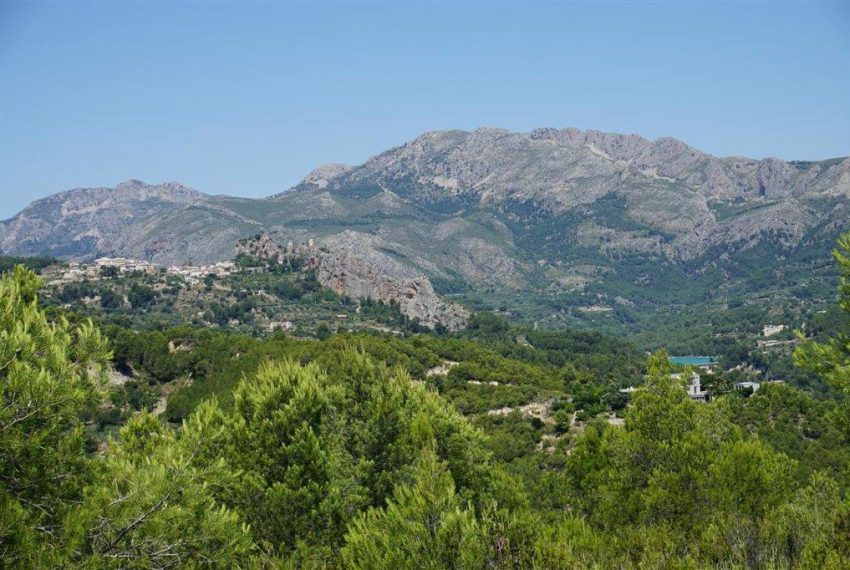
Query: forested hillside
[497, 447]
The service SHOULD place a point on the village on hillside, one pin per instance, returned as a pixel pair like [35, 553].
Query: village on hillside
[112, 266]
[265, 289]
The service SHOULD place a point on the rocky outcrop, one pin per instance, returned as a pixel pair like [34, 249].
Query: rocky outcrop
[322, 175]
[319, 178]
[347, 274]
[260, 246]
[349, 264]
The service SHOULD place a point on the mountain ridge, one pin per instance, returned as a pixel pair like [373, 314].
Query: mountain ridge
[554, 211]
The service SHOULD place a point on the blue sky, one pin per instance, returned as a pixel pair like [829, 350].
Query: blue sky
[245, 99]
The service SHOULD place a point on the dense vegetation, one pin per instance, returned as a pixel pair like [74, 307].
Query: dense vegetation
[376, 451]
[700, 307]
[7, 263]
[480, 370]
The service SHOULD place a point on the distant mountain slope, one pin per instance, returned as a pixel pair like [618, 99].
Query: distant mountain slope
[551, 211]
[163, 223]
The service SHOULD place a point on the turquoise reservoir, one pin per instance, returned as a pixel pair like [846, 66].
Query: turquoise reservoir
[692, 360]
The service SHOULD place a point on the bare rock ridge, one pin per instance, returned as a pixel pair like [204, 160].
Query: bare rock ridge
[261, 246]
[348, 274]
[493, 164]
[321, 176]
[341, 270]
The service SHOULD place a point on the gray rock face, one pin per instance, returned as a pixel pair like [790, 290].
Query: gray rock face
[346, 273]
[261, 246]
[349, 264]
[322, 175]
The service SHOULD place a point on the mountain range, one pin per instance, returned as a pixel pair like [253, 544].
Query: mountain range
[549, 211]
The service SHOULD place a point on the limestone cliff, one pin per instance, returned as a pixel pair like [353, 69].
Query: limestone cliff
[347, 274]
[348, 266]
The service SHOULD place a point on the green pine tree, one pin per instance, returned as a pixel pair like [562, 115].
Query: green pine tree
[49, 372]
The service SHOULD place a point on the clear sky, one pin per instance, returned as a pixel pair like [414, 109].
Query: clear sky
[245, 99]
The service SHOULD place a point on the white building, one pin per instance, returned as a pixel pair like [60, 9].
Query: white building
[695, 391]
[125, 265]
[770, 330]
[744, 385]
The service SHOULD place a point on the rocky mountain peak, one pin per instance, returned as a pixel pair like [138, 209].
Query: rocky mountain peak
[543, 133]
[322, 175]
[131, 184]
